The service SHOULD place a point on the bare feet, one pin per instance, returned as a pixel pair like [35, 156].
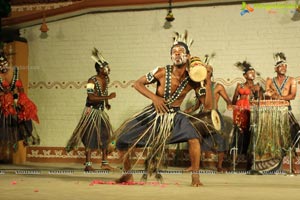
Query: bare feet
[196, 180]
[144, 178]
[125, 178]
[107, 167]
[89, 169]
[159, 178]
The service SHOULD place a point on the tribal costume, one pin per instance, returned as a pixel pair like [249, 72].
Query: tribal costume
[272, 135]
[275, 124]
[241, 118]
[212, 138]
[150, 129]
[16, 114]
[280, 59]
[94, 129]
[241, 112]
[294, 125]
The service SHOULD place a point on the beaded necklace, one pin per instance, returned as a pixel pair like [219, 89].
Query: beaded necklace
[98, 86]
[167, 94]
[279, 89]
[14, 80]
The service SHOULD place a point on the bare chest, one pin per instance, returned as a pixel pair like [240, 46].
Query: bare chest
[282, 87]
[101, 85]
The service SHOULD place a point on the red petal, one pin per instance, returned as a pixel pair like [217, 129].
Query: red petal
[19, 84]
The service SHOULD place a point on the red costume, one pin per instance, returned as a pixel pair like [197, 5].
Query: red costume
[241, 113]
[16, 113]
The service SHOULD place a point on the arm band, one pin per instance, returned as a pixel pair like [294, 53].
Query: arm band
[90, 88]
[150, 76]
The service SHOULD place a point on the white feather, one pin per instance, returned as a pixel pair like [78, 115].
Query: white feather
[96, 60]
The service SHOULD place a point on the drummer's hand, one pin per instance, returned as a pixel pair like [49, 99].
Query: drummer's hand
[269, 93]
[276, 96]
[160, 104]
[230, 107]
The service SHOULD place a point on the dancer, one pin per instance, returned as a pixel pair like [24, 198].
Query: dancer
[16, 110]
[94, 129]
[162, 123]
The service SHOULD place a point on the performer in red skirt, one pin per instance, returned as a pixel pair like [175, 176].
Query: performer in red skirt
[244, 92]
[16, 110]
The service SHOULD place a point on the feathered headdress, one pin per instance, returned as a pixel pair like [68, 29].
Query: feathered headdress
[195, 59]
[98, 58]
[209, 58]
[245, 67]
[279, 58]
[183, 40]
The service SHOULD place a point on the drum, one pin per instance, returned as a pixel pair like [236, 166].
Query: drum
[197, 70]
[270, 133]
[216, 120]
[207, 123]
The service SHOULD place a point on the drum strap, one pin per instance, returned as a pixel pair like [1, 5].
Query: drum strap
[213, 95]
[279, 89]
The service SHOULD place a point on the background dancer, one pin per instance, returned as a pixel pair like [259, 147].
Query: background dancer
[16, 110]
[207, 96]
[94, 129]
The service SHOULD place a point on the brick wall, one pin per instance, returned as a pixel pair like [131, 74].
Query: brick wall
[135, 43]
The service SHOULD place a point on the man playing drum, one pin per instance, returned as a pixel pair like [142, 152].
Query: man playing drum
[208, 95]
[283, 87]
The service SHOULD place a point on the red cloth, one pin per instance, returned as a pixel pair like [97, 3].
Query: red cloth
[7, 104]
[19, 84]
[244, 91]
[28, 109]
[241, 113]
